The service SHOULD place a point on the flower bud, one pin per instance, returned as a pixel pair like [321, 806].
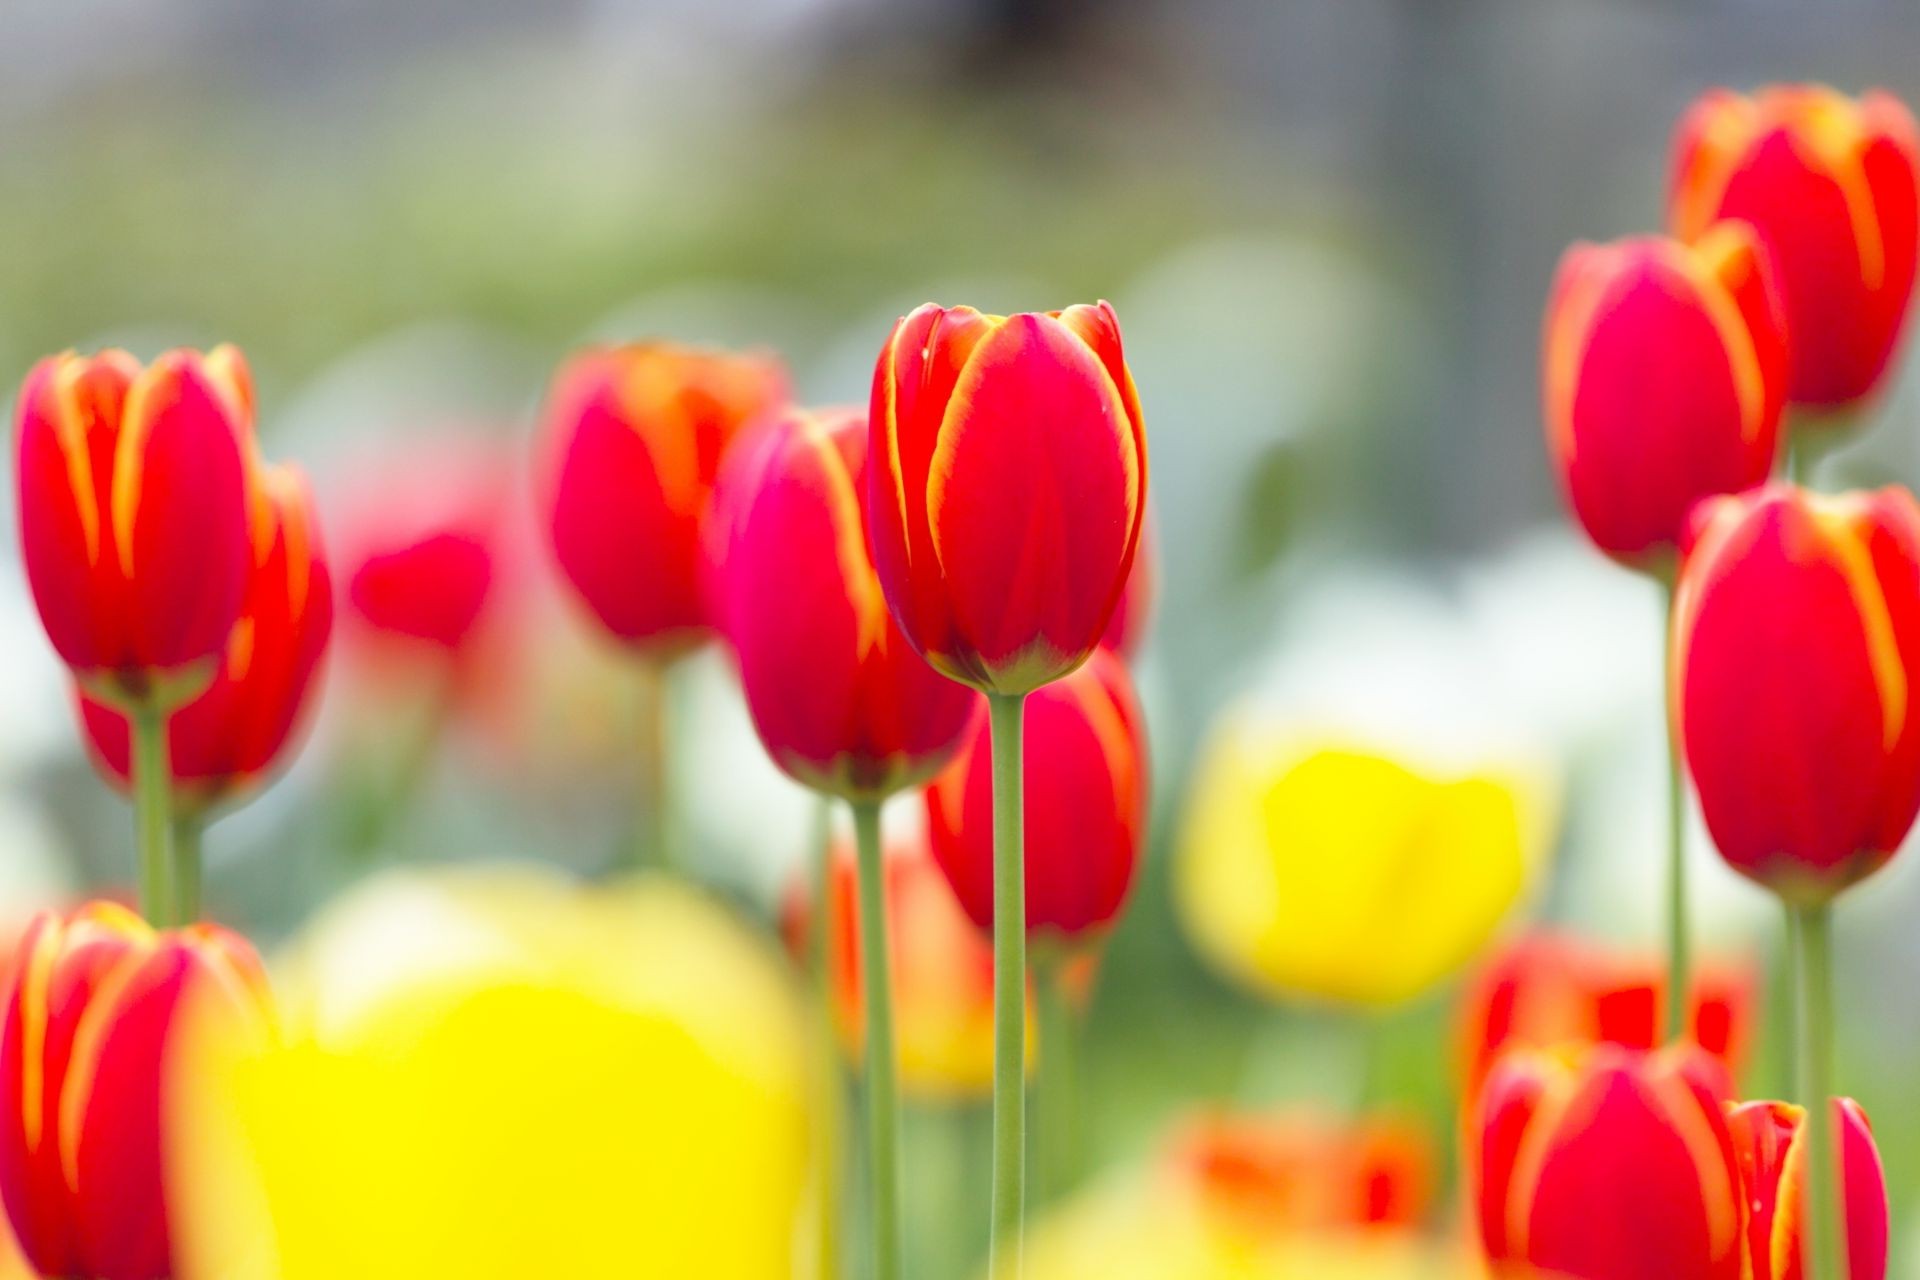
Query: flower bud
[1828, 183]
[91, 1052]
[1769, 1142]
[231, 737]
[839, 698]
[1085, 770]
[634, 437]
[1008, 486]
[1796, 668]
[134, 512]
[1664, 374]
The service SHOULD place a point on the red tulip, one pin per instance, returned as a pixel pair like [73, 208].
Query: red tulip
[134, 512]
[91, 1041]
[1829, 184]
[230, 738]
[1796, 675]
[1009, 481]
[1085, 772]
[635, 436]
[1549, 990]
[1664, 373]
[840, 699]
[1607, 1165]
[1768, 1141]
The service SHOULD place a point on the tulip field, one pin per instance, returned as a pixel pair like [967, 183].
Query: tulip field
[566, 721]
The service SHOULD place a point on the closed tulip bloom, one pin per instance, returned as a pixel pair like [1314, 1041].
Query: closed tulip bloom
[634, 437]
[1796, 664]
[1086, 806]
[1607, 1165]
[1828, 182]
[230, 738]
[135, 512]
[1008, 485]
[1768, 1140]
[92, 1048]
[1664, 372]
[839, 698]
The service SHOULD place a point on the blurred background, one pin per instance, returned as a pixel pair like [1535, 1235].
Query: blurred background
[1327, 225]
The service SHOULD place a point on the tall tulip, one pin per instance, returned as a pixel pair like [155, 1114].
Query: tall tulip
[1006, 496]
[95, 1043]
[1610, 1165]
[1769, 1139]
[135, 508]
[633, 441]
[229, 739]
[840, 700]
[1829, 184]
[1796, 651]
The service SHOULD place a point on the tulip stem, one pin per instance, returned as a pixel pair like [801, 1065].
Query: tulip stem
[1679, 967]
[883, 1095]
[1007, 722]
[150, 820]
[1826, 1247]
[187, 832]
[818, 960]
[1059, 1128]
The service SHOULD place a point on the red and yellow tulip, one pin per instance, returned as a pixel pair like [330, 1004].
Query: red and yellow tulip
[1829, 185]
[1769, 1142]
[1008, 486]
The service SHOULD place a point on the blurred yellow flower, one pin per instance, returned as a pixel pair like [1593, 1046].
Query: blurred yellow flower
[1316, 869]
[499, 1074]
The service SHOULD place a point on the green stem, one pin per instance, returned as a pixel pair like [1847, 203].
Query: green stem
[818, 960]
[1826, 1247]
[1679, 967]
[152, 787]
[1059, 1123]
[653, 824]
[1007, 716]
[883, 1100]
[188, 830]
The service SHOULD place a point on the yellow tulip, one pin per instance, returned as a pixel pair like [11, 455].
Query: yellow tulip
[499, 1074]
[1324, 869]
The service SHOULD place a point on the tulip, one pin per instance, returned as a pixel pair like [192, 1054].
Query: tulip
[635, 436]
[1299, 1171]
[228, 740]
[1606, 1165]
[96, 1037]
[1329, 872]
[1664, 374]
[1547, 990]
[495, 1074]
[1829, 185]
[1133, 615]
[1768, 1142]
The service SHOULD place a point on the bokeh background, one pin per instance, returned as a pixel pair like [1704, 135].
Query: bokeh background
[1328, 226]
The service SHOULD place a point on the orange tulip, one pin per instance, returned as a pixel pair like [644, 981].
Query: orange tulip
[134, 513]
[840, 700]
[1768, 1140]
[1796, 664]
[1009, 482]
[1607, 1165]
[1086, 806]
[1664, 375]
[1300, 1172]
[231, 737]
[1829, 185]
[635, 436]
[86, 1065]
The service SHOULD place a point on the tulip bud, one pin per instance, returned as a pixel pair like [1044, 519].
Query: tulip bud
[134, 513]
[1768, 1142]
[839, 698]
[1796, 660]
[1548, 990]
[1085, 771]
[1609, 1165]
[635, 435]
[1828, 183]
[230, 738]
[91, 1051]
[1009, 482]
[1664, 374]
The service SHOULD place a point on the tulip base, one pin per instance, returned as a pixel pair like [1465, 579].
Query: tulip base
[882, 1087]
[1826, 1246]
[1007, 725]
